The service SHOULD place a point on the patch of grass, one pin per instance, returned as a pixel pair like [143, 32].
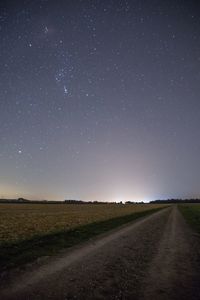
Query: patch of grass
[13, 254]
[191, 213]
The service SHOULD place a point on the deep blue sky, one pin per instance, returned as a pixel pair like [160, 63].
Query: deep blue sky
[100, 100]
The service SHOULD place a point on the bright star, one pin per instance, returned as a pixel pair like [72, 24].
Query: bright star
[46, 30]
[65, 90]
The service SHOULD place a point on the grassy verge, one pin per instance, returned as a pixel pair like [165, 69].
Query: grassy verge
[191, 213]
[19, 253]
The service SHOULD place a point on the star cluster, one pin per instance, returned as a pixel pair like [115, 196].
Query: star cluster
[99, 99]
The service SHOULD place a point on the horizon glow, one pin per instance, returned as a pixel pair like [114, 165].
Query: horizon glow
[99, 100]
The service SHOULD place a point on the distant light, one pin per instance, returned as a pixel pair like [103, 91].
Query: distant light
[119, 200]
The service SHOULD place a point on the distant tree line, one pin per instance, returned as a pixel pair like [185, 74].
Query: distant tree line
[88, 202]
[132, 202]
[71, 201]
[176, 201]
[26, 201]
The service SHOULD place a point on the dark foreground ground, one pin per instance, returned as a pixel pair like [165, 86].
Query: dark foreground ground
[156, 257]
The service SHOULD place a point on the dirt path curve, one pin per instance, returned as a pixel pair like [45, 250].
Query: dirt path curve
[153, 258]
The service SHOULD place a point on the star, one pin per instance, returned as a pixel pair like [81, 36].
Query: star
[65, 90]
[46, 30]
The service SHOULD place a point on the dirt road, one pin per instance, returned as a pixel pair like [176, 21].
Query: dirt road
[156, 257]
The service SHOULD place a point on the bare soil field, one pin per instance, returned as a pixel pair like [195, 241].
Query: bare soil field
[156, 257]
[24, 221]
[30, 231]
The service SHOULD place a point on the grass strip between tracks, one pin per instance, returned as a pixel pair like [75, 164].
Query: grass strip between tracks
[20, 253]
[191, 212]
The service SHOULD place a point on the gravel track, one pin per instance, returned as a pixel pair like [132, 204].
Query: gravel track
[156, 257]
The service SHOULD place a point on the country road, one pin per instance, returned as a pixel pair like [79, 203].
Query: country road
[156, 257]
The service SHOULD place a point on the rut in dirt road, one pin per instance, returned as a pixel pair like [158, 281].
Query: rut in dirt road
[152, 258]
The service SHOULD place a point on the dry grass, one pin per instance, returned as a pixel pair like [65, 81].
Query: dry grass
[24, 221]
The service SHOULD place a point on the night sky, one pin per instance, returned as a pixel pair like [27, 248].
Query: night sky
[100, 100]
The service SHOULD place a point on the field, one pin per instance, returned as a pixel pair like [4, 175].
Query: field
[191, 212]
[28, 231]
[24, 221]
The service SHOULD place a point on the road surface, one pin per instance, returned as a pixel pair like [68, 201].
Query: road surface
[156, 257]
